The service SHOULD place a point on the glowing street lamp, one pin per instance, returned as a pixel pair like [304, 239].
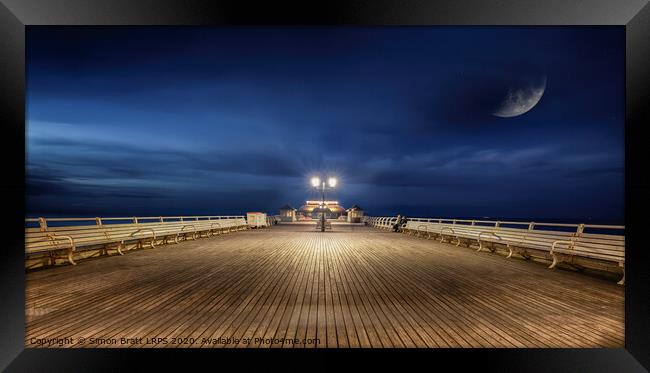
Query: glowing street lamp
[317, 183]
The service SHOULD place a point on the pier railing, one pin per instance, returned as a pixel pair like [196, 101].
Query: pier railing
[42, 222]
[46, 239]
[577, 245]
[388, 221]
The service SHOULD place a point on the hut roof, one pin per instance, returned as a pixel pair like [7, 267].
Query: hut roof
[287, 207]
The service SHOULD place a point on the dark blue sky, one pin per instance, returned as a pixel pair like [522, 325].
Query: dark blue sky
[150, 121]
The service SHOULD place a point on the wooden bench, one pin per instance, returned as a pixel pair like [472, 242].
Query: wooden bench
[591, 249]
[554, 242]
[441, 231]
[109, 234]
[67, 240]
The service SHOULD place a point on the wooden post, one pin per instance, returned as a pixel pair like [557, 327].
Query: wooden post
[99, 221]
[531, 226]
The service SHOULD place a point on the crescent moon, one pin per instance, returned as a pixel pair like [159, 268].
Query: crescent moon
[521, 100]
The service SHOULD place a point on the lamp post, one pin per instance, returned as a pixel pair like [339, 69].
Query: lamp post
[317, 183]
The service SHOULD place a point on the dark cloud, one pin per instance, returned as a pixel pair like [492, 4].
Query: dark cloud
[209, 120]
[115, 159]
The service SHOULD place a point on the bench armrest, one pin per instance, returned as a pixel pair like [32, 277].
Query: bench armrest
[451, 229]
[144, 229]
[553, 247]
[54, 237]
[193, 232]
[72, 248]
[552, 252]
[480, 244]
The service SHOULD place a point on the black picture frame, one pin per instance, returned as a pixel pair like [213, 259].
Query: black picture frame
[634, 15]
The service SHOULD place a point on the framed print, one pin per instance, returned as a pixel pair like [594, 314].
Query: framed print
[398, 183]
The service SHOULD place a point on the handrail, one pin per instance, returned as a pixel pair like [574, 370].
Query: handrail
[528, 225]
[209, 217]
[139, 218]
[522, 223]
[135, 220]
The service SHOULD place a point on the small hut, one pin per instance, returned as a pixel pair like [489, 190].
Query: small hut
[287, 213]
[355, 214]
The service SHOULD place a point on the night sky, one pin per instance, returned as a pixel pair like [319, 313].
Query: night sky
[165, 121]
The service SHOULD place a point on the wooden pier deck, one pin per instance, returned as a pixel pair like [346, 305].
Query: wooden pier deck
[291, 286]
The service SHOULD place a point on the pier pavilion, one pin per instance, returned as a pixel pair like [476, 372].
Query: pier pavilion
[211, 282]
[311, 209]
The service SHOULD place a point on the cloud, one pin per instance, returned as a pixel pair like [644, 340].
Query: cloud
[108, 159]
[160, 120]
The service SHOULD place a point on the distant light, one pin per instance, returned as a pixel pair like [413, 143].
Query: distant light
[332, 182]
[315, 182]
[319, 202]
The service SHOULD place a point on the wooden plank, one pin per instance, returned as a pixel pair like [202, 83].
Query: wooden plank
[350, 287]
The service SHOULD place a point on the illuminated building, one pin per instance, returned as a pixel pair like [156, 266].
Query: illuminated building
[311, 210]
